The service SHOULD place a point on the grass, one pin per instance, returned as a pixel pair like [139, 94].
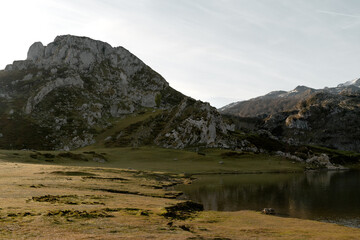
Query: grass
[120, 124]
[347, 158]
[164, 160]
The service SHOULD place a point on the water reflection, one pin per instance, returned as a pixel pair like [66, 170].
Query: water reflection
[330, 196]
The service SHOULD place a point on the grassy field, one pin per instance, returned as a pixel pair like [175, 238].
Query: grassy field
[97, 193]
[160, 159]
[50, 200]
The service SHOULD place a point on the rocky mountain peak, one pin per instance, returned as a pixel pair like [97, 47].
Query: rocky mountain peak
[66, 94]
[77, 52]
[301, 88]
[355, 82]
[36, 51]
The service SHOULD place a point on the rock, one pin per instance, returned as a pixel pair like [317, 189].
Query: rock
[36, 51]
[99, 160]
[107, 138]
[268, 211]
[323, 161]
[289, 156]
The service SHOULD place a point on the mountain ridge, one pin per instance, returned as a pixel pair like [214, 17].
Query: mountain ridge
[68, 92]
[326, 117]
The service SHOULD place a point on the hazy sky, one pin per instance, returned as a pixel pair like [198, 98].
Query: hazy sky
[218, 51]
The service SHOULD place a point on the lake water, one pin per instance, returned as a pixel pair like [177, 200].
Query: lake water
[325, 196]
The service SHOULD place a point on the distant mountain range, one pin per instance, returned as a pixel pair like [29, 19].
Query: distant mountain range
[328, 117]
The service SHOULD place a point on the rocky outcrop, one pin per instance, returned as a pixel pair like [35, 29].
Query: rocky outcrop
[194, 122]
[323, 161]
[190, 123]
[75, 81]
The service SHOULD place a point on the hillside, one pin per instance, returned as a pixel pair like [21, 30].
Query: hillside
[273, 102]
[66, 94]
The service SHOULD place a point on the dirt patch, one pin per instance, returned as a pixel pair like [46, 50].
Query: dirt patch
[79, 214]
[131, 211]
[231, 154]
[73, 173]
[22, 214]
[107, 179]
[70, 199]
[73, 156]
[183, 210]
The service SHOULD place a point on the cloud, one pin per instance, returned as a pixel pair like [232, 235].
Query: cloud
[207, 49]
[339, 14]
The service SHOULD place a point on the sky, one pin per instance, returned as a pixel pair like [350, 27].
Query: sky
[218, 51]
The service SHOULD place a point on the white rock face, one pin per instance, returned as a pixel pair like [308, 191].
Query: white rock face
[203, 126]
[36, 51]
[296, 123]
[324, 161]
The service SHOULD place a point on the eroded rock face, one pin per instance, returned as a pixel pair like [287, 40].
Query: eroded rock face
[194, 123]
[36, 52]
[326, 117]
[67, 92]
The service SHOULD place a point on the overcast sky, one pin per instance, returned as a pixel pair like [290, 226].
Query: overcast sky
[218, 51]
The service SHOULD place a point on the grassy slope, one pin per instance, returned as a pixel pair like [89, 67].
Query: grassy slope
[166, 160]
[120, 124]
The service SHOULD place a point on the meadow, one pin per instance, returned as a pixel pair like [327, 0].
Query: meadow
[126, 193]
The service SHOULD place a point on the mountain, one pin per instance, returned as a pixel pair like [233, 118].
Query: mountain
[355, 82]
[268, 104]
[328, 117]
[75, 90]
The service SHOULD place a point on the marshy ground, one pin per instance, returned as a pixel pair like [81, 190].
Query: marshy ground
[47, 196]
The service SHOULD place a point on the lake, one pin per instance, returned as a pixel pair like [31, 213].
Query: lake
[331, 196]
